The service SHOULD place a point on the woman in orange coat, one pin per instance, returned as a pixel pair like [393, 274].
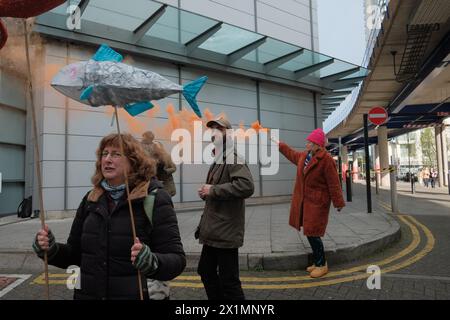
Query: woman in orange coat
[316, 186]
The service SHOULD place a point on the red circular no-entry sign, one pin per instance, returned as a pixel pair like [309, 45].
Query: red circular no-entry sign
[377, 115]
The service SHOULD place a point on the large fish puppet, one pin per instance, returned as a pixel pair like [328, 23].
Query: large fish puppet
[105, 80]
[23, 9]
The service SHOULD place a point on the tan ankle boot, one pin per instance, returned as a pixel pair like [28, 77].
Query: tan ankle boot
[319, 271]
[311, 268]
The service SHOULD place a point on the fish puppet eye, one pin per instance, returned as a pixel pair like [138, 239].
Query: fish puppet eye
[69, 76]
[73, 73]
[71, 70]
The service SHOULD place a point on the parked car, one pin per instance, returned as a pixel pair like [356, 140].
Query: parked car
[401, 176]
[408, 179]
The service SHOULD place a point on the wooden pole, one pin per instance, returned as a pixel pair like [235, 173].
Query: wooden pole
[133, 228]
[37, 156]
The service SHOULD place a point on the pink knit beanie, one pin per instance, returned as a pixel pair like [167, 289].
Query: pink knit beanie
[317, 137]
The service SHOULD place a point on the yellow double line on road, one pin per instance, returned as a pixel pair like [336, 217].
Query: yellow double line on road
[413, 245]
[411, 223]
[385, 206]
[53, 278]
[306, 281]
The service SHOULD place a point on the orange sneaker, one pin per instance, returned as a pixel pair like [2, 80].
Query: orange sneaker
[311, 268]
[319, 271]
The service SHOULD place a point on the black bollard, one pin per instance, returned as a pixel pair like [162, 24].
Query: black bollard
[348, 182]
[377, 188]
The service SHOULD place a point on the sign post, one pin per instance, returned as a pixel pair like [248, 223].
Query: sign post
[366, 151]
[377, 116]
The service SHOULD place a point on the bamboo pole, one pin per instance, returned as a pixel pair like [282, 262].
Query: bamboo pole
[133, 228]
[37, 156]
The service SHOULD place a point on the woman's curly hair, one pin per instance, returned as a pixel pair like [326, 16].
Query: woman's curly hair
[142, 167]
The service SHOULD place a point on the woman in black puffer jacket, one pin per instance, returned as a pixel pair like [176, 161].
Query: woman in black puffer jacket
[101, 241]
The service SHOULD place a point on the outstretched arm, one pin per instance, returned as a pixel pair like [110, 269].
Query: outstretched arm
[291, 154]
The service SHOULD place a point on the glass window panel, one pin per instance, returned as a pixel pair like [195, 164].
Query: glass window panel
[336, 67]
[229, 39]
[193, 25]
[270, 50]
[307, 59]
[141, 9]
[167, 26]
[254, 56]
[361, 73]
[119, 14]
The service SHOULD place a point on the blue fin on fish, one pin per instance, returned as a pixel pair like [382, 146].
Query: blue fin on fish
[190, 92]
[86, 94]
[136, 108]
[105, 53]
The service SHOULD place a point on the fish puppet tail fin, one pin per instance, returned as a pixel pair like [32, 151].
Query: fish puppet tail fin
[190, 92]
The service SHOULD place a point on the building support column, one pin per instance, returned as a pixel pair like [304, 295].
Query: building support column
[345, 155]
[437, 135]
[383, 150]
[394, 154]
[355, 166]
[376, 162]
[444, 155]
[345, 166]
[318, 118]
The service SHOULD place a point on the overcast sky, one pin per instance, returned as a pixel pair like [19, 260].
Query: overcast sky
[341, 29]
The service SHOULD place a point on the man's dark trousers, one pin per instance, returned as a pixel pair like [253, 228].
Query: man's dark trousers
[224, 284]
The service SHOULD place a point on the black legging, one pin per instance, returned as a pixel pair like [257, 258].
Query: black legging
[318, 251]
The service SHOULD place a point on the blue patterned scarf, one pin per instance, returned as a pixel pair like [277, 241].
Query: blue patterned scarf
[115, 192]
[307, 159]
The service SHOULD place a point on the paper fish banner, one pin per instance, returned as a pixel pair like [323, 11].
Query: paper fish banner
[105, 80]
[23, 9]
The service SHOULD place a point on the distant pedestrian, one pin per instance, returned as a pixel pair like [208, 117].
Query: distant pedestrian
[420, 176]
[426, 177]
[316, 186]
[434, 175]
[165, 168]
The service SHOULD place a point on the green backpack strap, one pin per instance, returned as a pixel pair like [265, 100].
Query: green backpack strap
[149, 202]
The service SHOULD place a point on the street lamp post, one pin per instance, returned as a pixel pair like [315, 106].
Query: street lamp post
[409, 165]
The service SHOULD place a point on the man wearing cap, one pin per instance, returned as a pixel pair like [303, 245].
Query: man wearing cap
[316, 186]
[221, 229]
